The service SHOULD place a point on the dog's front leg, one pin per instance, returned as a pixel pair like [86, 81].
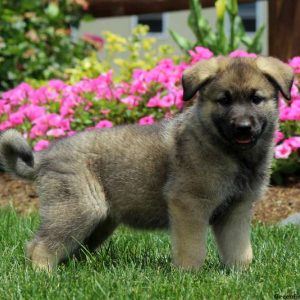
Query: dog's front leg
[232, 233]
[188, 233]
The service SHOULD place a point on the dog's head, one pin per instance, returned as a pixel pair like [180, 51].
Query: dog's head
[238, 99]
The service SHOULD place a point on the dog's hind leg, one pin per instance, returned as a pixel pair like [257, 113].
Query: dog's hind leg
[101, 232]
[70, 213]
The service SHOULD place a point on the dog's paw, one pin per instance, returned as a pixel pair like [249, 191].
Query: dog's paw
[188, 263]
[241, 261]
[40, 256]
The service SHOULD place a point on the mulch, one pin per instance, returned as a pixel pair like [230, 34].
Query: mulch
[278, 203]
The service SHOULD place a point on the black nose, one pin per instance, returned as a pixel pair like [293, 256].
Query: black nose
[243, 126]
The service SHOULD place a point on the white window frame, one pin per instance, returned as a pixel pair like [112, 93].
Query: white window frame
[261, 13]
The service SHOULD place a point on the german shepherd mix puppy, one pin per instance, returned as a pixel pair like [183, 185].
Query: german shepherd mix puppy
[204, 167]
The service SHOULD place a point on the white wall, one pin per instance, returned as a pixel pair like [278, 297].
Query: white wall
[176, 21]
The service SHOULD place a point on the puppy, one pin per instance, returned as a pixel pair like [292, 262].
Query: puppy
[206, 166]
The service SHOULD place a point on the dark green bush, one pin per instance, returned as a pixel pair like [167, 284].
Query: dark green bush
[36, 40]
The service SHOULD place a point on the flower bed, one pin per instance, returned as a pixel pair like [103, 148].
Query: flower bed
[59, 109]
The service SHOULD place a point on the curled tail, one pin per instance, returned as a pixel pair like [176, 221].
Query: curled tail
[16, 156]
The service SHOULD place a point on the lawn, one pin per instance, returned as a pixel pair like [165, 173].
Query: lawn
[137, 265]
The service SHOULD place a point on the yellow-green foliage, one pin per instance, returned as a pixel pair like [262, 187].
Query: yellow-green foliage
[89, 67]
[122, 55]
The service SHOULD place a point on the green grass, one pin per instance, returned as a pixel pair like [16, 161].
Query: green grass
[137, 265]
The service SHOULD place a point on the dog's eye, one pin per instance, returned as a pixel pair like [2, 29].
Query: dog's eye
[257, 99]
[224, 101]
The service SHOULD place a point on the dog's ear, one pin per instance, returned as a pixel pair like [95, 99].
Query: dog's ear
[279, 73]
[197, 76]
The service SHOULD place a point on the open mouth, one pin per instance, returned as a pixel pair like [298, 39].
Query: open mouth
[243, 139]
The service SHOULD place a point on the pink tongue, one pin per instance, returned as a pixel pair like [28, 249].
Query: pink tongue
[244, 141]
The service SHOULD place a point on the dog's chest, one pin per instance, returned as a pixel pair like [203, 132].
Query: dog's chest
[244, 177]
[226, 179]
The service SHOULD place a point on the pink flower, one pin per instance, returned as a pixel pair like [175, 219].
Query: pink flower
[282, 151]
[39, 96]
[295, 64]
[294, 113]
[38, 130]
[1, 107]
[18, 94]
[279, 136]
[293, 142]
[57, 132]
[167, 101]
[153, 102]
[66, 110]
[138, 86]
[200, 53]
[40, 121]
[168, 63]
[68, 104]
[284, 114]
[41, 145]
[120, 89]
[16, 118]
[70, 133]
[131, 101]
[241, 53]
[53, 120]
[88, 106]
[103, 85]
[295, 91]
[33, 112]
[290, 111]
[56, 84]
[95, 40]
[5, 125]
[105, 111]
[104, 124]
[148, 120]
[179, 99]
[7, 108]
[65, 124]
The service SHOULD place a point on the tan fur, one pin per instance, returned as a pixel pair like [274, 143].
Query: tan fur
[182, 172]
[232, 235]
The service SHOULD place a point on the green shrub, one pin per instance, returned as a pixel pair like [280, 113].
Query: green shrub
[218, 42]
[35, 40]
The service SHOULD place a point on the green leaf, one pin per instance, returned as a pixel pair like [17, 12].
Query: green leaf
[256, 45]
[52, 10]
[232, 7]
[182, 42]
[277, 178]
[87, 18]
[222, 41]
[239, 27]
[198, 23]
[193, 17]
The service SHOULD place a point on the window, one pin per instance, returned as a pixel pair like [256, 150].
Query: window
[156, 22]
[248, 14]
[253, 15]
